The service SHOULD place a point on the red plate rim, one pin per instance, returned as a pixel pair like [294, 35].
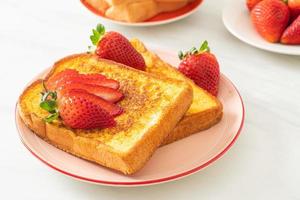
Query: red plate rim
[148, 182]
[161, 17]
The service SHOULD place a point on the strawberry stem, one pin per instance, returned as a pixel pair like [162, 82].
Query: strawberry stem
[204, 47]
[48, 103]
[98, 33]
[194, 51]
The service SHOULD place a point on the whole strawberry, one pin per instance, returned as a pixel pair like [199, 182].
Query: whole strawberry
[252, 3]
[294, 6]
[292, 34]
[202, 67]
[116, 47]
[270, 18]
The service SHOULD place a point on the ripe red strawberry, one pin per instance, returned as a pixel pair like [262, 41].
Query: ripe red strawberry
[202, 67]
[252, 3]
[294, 6]
[52, 81]
[105, 93]
[292, 34]
[83, 101]
[270, 18]
[81, 110]
[68, 76]
[114, 46]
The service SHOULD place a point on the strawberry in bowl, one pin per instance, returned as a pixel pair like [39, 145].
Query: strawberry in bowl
[276, 20]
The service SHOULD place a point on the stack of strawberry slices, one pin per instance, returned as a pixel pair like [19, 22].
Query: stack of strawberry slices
[276, 20]
[82, 101]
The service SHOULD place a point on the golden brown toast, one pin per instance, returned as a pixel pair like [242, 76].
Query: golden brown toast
[205, 111]
[153, 106]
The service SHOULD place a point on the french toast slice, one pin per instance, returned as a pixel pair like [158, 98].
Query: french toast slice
[205, 111]
[152, 108]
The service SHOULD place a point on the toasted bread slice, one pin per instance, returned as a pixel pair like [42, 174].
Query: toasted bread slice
[205, 111]
[152, 108]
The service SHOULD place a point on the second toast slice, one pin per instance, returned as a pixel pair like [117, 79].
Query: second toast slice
[205, 111]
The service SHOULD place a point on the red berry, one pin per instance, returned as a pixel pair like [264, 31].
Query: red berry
[203, 69]
[252, 3]
[270, 18]
[68, 76]
[114, 46]
[80, 110]
[105, 93]
[294, 6]
[292, 34]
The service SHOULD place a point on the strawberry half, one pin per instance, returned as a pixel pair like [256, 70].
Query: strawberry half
[270, 18]
[81, 110]
[292, 34]
[105, 93]
[202, 67]
[116, 47]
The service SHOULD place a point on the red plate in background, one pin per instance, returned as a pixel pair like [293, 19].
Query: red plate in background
[162, 18]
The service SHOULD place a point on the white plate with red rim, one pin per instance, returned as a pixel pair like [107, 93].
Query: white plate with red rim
[171, 162]
[160, 19]
[236, 19]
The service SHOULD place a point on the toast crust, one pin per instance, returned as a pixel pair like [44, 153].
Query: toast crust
[85, 145]
[205, 111]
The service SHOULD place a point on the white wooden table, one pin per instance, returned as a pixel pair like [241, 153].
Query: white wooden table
[263, 164]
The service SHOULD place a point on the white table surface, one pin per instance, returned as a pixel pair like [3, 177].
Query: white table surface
[263, 164]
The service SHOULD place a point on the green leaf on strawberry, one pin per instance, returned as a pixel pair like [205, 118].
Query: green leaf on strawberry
[52, 117]
[97, 34]
[194, 51]
[48, 103]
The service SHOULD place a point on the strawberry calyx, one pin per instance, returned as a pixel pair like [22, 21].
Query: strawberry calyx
[194, 51]
[98, 34]
[49, 103]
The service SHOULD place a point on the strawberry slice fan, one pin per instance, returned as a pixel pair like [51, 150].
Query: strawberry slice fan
[81, 101]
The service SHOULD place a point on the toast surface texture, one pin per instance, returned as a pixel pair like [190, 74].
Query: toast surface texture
[152, 106]
[205, 111]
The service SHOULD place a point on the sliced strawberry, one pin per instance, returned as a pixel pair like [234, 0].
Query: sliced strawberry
[82, 110]
[81, 79]
[105, 93]
[52, 81]
[67, 76]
